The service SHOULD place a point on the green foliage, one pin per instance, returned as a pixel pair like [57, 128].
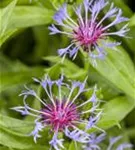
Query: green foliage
[16, 18]
[115, 111]
[14, 134]
[115, 68]
[132, 21]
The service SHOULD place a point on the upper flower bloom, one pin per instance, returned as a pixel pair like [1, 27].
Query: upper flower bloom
[61, 112]
[95, 142]
[88, 31]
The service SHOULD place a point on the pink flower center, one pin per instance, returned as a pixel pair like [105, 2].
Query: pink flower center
[60, 116]
[88, 34]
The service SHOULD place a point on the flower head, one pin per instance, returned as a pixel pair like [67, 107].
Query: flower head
[88, 31]
[60, 111]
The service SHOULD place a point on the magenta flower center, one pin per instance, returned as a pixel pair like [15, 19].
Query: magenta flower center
[60, 116]
[87, 34]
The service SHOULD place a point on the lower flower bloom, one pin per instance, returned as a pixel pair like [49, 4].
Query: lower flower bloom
[63, 112]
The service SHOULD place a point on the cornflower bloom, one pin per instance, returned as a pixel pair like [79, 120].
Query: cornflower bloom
[88, 32]
[95, 142]
[61, 112]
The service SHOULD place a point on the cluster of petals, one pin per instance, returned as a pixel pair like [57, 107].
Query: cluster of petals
[89, 31]
[62, 112]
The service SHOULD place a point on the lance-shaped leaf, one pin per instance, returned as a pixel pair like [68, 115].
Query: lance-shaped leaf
[118, 69]
[23, 17]
[115, 110]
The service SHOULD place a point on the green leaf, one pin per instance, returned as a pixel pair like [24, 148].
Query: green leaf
[6, 16]
[11, 140]
[10, 131]
[118, 69]
[132, 21]
[17, 126]
[26, 16]
[15, 132]
[115, 110]
[7, 35]
[108, 89]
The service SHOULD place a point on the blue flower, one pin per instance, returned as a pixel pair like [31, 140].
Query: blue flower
[62, 112]
[89, 32]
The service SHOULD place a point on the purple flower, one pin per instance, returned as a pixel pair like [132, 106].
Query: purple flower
[60, 111]
[89, 32]
[95, 141]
